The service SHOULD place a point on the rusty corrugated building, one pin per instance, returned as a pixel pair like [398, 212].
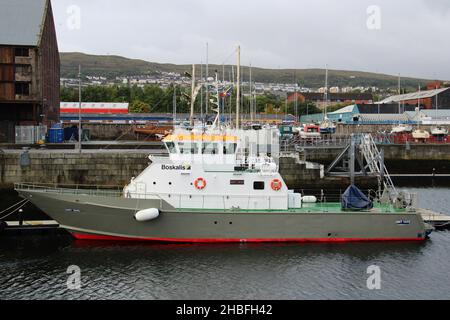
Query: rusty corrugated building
[29, 66]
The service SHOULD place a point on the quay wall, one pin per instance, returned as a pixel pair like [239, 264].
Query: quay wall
[116, 167]
[92, 167]
[399, 159]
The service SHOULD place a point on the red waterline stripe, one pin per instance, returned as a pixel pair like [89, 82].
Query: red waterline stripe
[79, 236]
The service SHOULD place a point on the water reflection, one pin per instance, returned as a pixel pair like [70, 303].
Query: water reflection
[34, 267]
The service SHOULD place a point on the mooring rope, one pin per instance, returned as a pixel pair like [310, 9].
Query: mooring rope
[21, 203]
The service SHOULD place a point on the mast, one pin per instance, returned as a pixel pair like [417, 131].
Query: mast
[326, 92]
[201, 91]
[223, 88]
[238, 91]
[207, 76]
[296, 96]
[174, 106]
[437, 94]
[192, 95]
[251, 95]
[399, 93]
[218, 99]
[418, 99]
[80, 131]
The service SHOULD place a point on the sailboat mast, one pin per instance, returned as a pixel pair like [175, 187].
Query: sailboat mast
[296, 96]
[192, 95]
[418, 100]
[175, 106]
[399, 93]
[326, 92]
[437, 94]
[238, 90]
[207, 76]
[251, 94]
[201, 91]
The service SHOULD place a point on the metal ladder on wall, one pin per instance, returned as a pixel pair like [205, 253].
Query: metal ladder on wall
[375, 163]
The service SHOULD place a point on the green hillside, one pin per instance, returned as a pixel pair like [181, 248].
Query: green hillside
[112, 66]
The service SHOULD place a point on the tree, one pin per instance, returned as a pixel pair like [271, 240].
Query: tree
[139, 107]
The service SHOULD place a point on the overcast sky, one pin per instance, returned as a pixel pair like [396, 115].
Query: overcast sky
[411, 37]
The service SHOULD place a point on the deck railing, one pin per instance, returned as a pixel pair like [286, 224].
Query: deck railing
[324, 203]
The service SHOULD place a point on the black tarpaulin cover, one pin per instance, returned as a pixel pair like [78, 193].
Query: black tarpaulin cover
[354, 199]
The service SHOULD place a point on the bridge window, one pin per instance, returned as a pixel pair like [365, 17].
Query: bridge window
[229, 148]
[171, 147]
[259, 185]
[188, 148]
[210, 148]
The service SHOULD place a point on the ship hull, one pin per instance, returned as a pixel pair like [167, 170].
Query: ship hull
[107, 218]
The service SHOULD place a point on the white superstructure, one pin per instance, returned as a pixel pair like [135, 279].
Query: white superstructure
[218, 169]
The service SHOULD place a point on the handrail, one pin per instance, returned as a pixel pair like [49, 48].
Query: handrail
[320, 206]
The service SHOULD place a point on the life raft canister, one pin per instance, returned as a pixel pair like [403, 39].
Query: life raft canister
[200, 183]
[276, 185]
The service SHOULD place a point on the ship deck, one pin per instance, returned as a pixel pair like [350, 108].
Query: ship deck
[319, 207]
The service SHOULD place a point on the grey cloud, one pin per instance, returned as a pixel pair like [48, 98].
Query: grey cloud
[272, 33]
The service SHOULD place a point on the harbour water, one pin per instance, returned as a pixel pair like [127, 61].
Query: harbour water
[35, 267]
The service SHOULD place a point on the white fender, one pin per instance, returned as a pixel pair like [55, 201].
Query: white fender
[309, 199]
[146, 215]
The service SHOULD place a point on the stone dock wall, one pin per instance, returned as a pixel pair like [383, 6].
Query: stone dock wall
[116, 167]
[400, 159]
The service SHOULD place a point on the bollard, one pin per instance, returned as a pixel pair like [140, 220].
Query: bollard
[21, 217]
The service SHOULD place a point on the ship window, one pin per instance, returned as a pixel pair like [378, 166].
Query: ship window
[171, 147]
[259, 185]
[210, 148]
[237, 182]
[229, 148]
[188, 148]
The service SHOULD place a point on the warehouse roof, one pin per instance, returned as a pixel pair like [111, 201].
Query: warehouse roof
[349, 109]
[22, 21]
[413, 96]
[382, 117]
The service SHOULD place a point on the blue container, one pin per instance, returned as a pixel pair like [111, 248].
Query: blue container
[56, 135]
